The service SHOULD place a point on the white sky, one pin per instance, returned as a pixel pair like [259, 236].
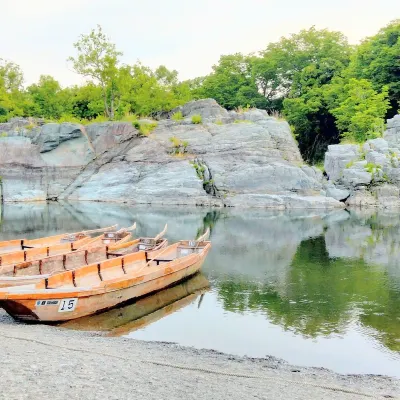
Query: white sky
[186, 35]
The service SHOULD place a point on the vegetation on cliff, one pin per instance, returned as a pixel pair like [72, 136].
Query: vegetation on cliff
[327, 89]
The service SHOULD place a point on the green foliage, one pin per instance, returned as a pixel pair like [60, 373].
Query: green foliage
[177, 116]
[98, 59]
[179, 147]
[197, 119]
[377, 60]
[350, 164]
[219, 122]
[358, 109]
[46, 98]
[30, 126]
[372, 168]
[200, 169]
[3, 134]
[146, 128]
[232, 83]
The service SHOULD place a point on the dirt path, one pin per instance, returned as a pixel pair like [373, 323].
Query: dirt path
[50, 363]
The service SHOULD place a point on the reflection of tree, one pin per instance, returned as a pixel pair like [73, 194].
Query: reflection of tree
[209, 221]
[321, 295]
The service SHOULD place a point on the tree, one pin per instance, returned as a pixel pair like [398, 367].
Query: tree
[378, 60]
[358, 109]
[11, 97]
[232, 84]
[98, 59]
[297, 69]
[46, 98]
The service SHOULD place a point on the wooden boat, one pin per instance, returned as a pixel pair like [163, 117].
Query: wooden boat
[141, 312]
[28, 273]
[100, 286]
[10, 246]
[8, 261]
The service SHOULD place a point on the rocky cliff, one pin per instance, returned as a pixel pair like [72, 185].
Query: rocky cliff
[367, 174]
[244, 159]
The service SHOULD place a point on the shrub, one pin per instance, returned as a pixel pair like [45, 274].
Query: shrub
[178, 147]
[30, 126]
[219, 122]
[177, 116]
[3, 134]
[145, 128]
[197, 119]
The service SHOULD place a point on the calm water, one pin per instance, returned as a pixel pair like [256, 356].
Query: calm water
[313, 288]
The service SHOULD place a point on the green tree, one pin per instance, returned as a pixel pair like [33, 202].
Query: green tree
[306, 62]
[358, 109]
[378, 60]
[11, 96]
[232, 83]
[46, 98]
[98, 59]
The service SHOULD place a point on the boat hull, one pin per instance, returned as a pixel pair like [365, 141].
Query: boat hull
[49, 310]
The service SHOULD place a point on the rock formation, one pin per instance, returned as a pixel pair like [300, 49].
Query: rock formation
[244, 159]
[368, 174]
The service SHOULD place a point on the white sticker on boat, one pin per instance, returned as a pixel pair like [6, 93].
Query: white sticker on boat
[47, 303]
[67, 305]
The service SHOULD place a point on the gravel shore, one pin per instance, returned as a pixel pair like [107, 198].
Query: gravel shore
[47, 362]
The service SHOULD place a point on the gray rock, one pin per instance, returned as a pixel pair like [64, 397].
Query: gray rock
[50, 136]
[377, 158]
[209, 110]
[362, 198]
[338, 157]
[379, 145]
[352, 177]
[255, 164]
[392, 133]
[388, 196]
[339, 194]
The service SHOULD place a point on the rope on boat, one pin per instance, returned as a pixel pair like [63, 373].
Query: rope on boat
[207, 370]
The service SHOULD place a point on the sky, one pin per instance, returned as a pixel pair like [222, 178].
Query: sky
[186, 35]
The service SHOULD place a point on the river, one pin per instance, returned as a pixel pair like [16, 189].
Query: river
[313, 288]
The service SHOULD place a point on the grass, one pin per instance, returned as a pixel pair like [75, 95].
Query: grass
[177, 116]
[144, 128]
[219, 122]
[320, 166]
[179, 147]
[350, 164]
[197, 119]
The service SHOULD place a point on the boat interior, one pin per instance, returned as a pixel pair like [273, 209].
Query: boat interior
[79, 258]
[114, 270]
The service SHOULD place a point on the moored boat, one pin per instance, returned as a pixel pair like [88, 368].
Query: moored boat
[100, 286]
[11, 246]
[8, 261]
[32, 272]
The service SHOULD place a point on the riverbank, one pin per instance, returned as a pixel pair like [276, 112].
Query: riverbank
[48, 362]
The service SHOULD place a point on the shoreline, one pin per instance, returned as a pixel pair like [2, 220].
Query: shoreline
[56, 363]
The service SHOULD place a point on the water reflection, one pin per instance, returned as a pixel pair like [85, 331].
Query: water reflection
[137, 315]
[312, 287]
